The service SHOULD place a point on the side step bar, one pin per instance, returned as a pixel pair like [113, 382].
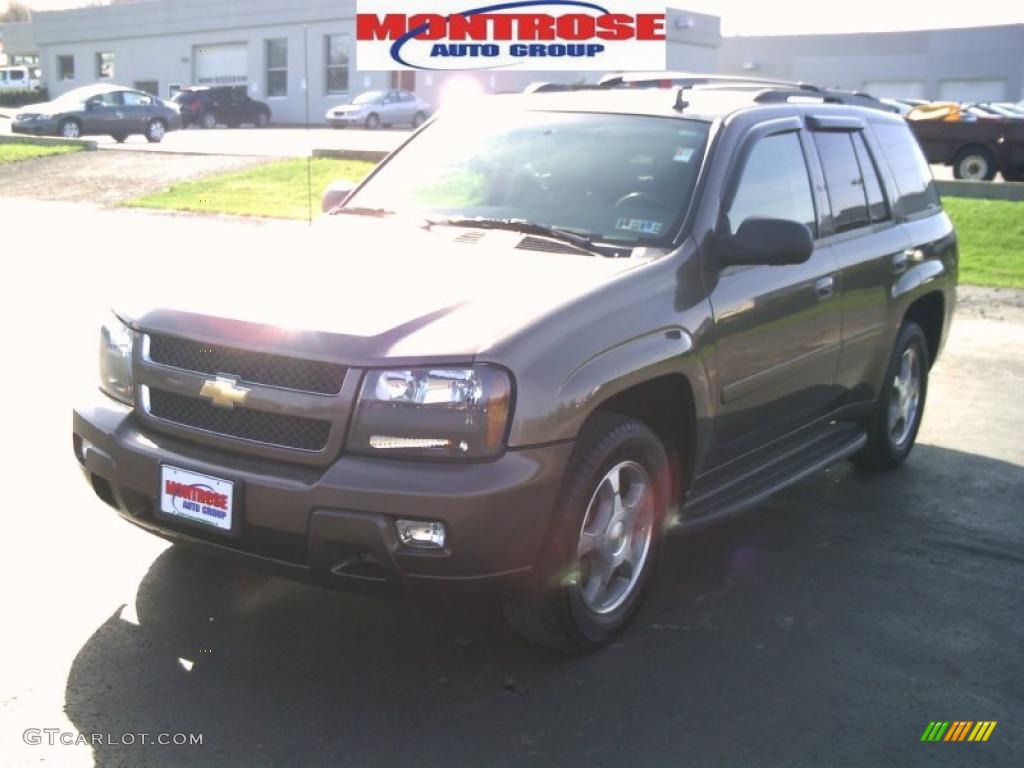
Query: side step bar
[736, 497]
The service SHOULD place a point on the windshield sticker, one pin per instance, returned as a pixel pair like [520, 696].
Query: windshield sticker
[643, 226]
[684, 154]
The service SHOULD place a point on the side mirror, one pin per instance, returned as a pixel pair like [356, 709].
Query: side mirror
[336, 194]
[772, 242]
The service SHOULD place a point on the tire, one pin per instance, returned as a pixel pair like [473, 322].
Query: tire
[372, 121]
[69, 129]
[119, 137]
[974, 164]
[262, 120]
[208, 120]
[1013, 174]
[562, 609]
[890, 437]
[155, 131]
[418, 120]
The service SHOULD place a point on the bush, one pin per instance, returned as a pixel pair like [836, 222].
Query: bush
[21, 98]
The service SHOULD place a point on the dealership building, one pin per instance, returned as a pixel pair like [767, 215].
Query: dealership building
[281, 52]
[302, 55]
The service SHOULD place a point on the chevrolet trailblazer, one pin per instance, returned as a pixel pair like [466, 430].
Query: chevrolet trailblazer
[535, 340]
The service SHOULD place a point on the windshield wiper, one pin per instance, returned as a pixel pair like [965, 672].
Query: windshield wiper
[356, 211]
[516, 225]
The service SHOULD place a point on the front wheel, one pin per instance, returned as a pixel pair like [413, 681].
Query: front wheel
[70, 129]
[893, 425]
[155, 131]
[208, 121]
[418, 120]
[373, 122]
[603, 542]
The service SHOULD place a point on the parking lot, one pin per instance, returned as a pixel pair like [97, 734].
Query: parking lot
[827, 627]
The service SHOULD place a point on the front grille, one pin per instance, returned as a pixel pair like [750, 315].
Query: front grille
[296, 432]
[253, 367]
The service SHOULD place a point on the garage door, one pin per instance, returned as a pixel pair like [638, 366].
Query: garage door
[221, 64]
[895, 89]
[972, 90]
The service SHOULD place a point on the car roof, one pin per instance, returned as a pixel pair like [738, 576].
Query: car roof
[95, 89]
[707, 104]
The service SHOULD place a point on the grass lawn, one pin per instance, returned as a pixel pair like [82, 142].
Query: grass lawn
[278, 190]
[991, 240]
[12, 153]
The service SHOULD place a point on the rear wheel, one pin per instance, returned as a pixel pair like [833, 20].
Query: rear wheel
[208, 120]
[604, 539]
[262, 120]
[1013, 174]
[69, 129]
[155, 131]
[974, 164]
[893, 425]
[419, 120]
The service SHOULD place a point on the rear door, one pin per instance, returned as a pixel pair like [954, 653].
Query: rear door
[868, 244]
[777, 327]
[138, 111]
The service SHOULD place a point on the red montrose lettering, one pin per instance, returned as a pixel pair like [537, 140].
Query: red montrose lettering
[512, 26]
[196, 494]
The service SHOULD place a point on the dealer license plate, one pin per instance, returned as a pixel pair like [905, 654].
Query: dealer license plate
[197, 498]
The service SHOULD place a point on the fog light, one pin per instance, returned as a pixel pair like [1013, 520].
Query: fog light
[421, 535]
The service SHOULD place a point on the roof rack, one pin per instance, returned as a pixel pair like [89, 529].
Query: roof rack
[806, 92]
[686, 79]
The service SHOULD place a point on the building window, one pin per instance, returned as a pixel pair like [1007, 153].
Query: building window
[277, 67]
[152, 87]
[105, 65]
[65, 67]
[337, 63]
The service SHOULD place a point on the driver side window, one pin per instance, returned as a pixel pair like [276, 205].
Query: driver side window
[774, 184]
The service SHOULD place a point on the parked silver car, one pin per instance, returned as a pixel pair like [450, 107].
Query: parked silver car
[376, 109]
[99, 109]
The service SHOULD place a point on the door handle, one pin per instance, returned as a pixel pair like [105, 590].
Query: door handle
[825, 287]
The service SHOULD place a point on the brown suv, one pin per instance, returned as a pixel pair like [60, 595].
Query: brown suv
[541, 336]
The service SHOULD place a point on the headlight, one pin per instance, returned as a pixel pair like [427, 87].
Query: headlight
[433, 413]
[116, 342]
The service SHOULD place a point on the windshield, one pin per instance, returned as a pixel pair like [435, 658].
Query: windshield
[368, 98]
[617, 178]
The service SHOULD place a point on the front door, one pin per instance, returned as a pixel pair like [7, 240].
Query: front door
[105, 113]
[777, 327]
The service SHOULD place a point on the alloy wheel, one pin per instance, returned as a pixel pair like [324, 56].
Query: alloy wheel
[905, 397]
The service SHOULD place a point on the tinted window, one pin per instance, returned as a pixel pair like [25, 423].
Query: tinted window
[909, 168]
[843, 180]
[877, 206]
[111, 99]
[133, 99]
[17, 74]
[774, 184]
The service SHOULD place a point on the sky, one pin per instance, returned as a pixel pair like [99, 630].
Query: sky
[780, 17]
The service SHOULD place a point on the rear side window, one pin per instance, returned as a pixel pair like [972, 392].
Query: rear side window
[774, 184]
[877, 206]
[909, 168]
[843, 180]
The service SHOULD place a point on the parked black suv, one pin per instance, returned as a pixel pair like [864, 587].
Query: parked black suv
[209, 107]
[543, 333]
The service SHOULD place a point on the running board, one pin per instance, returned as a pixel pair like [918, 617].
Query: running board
[736, 497]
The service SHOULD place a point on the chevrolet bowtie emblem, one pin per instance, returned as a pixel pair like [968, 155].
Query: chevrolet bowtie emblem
[224, 392]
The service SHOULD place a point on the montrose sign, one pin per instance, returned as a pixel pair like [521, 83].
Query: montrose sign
[519, 34]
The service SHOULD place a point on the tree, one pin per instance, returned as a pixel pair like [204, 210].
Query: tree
[15, 11]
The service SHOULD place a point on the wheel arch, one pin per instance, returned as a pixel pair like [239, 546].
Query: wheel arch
[929, 312]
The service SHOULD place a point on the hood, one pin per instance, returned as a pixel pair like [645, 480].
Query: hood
[42, 108]
[368, 290]
[349, 108]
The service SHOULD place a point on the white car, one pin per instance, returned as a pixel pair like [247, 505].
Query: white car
[20, 78]
[377, 109]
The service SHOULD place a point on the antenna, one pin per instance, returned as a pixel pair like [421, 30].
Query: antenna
[309, 127]
[681, 102]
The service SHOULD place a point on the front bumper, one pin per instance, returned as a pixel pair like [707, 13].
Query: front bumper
[335, 525]
[35, 127]
[338, 121]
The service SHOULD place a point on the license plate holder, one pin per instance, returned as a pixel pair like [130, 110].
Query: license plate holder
[198, 500]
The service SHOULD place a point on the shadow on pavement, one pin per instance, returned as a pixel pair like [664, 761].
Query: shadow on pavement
[826, 628]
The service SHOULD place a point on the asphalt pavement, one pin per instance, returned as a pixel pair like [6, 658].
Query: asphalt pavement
[826, 628]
